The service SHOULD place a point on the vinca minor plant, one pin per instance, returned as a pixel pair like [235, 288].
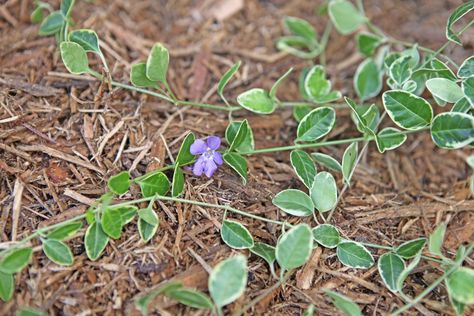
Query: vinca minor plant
[407, 73]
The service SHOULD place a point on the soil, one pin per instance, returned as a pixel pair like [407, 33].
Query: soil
[58, 147]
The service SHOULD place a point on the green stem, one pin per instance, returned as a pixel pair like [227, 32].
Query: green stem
[327, 143]
[311, 104]
[209, 106]
[324, 42]
[432, 286]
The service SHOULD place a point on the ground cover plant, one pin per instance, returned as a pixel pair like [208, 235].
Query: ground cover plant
[401, 89]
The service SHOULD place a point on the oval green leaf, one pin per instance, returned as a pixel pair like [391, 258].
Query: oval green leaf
[264, 251]
[389, 138]
[184, 155]
[407, 110]
[65, 231]
[301, 28]
[95, 241]
[460, 285]
[58, 252]
[327, 161]
[318, 123]
[149, 216]
[326, 235]
[411, 248]
[112, 222]
[177, 186]
[436, 239]
[119, 183]
[235, 235]
[245, 144]
[52, 24]
[349, 160]
[138, 76]
[294, 247]
[153, 184]
[15, 260]
[466, 70]
[226, 78]
[88, 39]
[190, 297]
[238, 163]
[294, 202]
[454, 17]
[452, 130]
[367, 80]
[303, 166]
[390, 267]
[257, 100]
[7, 286]
[146, 230]
[74, 58]
[324, 192]
[444, 89]
[227, 280]
[354, 255]
[157, 63]
[468, 89]
[345, 16]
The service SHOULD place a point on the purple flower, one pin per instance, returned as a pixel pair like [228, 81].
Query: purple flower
[209, 158]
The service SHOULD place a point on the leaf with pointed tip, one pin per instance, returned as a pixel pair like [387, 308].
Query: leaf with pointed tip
[238, 163]
[466, 70]
[367, 80]
[390, 267]
[190, 297]
[435, 241]
[454, 17]
[66, 7]
[294, 202]
[65, 231]
[327, 161]
[349, 160]
[344, 304]
[146, 230]
[226, 78]
[354, 255]
[241, 136]
[407, 110]
[301, 111]
[400, 70]
[301, 28]
[411, 248]
[88, 39]
[468, 89]
[444, 89]
[318, 123]
[95, 241]
[367, 43]
[112, 222]
[452, 130]
[264, 251]
[460, 285]
[184, 155]
[52, 24]
[235, 235]
[303, 166]
[247, 143]
[58, 252]
[462, 106]
[389, 138]
[406, 272]
[257, 100]
[15, 260]
[74, 58]
[153, 184]
[149, 216]
[177, 186]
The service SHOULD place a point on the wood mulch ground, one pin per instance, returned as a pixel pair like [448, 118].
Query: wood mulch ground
[62, 136]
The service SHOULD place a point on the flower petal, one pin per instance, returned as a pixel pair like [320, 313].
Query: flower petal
[199, 166]
[213, 142]
[210, 168]
[198, 147]
[217, 158]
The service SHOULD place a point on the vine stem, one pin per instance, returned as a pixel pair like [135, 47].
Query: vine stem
[433, 285]
[327, 143]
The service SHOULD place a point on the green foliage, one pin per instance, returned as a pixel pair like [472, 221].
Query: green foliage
[227, 280]
[326, 235]
[317, 87]
[452, 130]
[367, 43]
[316, 124]
[74, 58]
[294, 247]
[389, 138]
[7, 286]
[52, 24]
[226, 78]
[157, 63]
[435, 241]
[303, 166]
[264, 251]
[407, 110]
[138, 76]
[456, 16]
[238, 163]
[257, 100]
[240, 137]
[112, 222]
[235, 235]
[65, 231]
[327, 161]
[95, 241]
[367, 80]
[460, 285]
[466, 70]
[345, 16]
[119, 183]
[354, 255]
[177, 185]
[294, 202]
[245, 143]
[390, 267]
[190, 297]
[445, 89]
[324, 192]
[276, 85]
[349, 161]
[184, 155]
[411, 248]
[15, 260]
[155, 183]
[88, 39]
[58, 252]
